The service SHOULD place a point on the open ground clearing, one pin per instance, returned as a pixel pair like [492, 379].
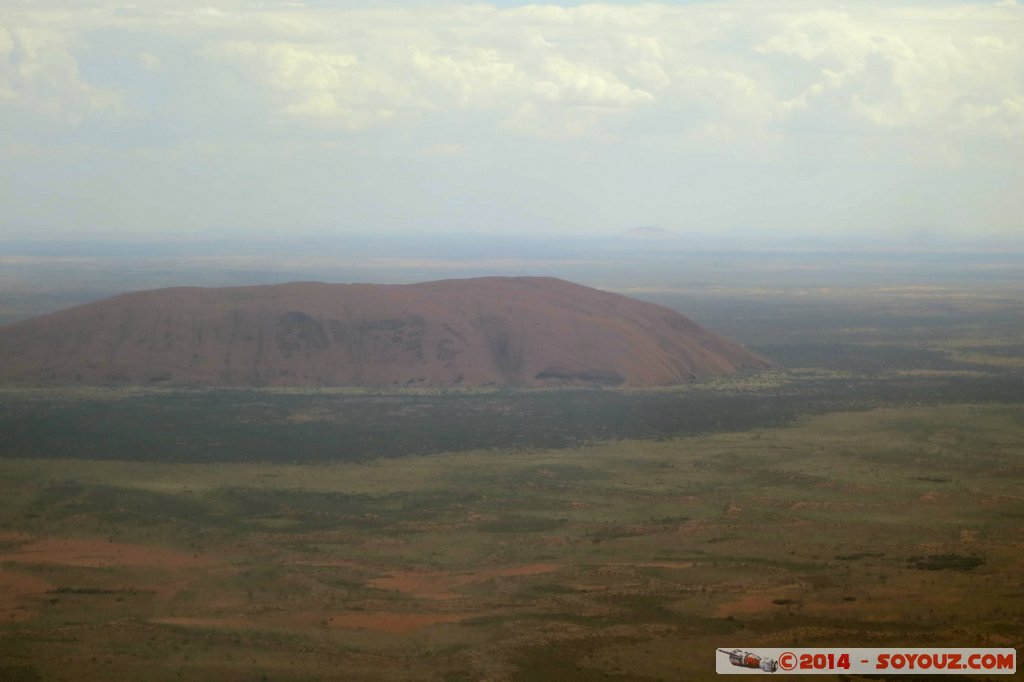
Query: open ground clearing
[633, 559]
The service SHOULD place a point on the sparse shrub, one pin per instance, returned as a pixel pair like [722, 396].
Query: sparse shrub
[943, 562]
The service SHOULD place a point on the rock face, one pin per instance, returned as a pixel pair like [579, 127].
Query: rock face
[506, 331]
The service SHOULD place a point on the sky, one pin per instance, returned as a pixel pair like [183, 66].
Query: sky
[731, 119]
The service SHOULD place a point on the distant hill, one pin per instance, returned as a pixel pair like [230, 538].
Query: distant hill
[504, 331]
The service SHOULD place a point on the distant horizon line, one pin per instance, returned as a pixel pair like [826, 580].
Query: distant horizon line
[446, 244]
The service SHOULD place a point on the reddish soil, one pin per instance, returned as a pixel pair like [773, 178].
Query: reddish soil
[434, 585]
[16, 591]
[443, 584]
[14, 536]
[203, 622]
[521, 331]
[378, 621]
[395, 623]
[526, 569]
[100, 554]
[747, 605]
[677, 565]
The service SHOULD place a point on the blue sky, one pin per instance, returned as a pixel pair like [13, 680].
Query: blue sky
[727, 119]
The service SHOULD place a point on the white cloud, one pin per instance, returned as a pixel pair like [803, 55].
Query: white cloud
[475, 77]
[717, 107]
[580, 68]
[444, 150]
[322, 84]
[40, 76]
[576, 84]
[930, 69]
[150, 61]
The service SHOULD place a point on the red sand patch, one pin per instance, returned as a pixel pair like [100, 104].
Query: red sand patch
[377, 621]
[14, 588]
[666, 564]
[14, 536]
[101, 554]
[745, 606]
[189, 621]
[512, 571]
[394, 623]
[326, 563]
[442, 584]
[750, 604]
[432, 585]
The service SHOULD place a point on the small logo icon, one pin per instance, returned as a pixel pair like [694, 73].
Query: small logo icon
[745, 659]
[787, 660]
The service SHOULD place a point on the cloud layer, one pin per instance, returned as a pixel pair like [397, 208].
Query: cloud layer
[754, 111]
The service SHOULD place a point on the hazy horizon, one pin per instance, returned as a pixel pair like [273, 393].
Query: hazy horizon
[45, 276]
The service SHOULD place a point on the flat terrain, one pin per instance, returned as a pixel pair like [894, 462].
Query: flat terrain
[867, 495]
[636, 559]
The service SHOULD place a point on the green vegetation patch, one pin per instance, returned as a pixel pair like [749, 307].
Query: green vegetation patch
[612, 558]
[946, 562]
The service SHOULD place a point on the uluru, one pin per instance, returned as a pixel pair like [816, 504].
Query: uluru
[489, 331]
